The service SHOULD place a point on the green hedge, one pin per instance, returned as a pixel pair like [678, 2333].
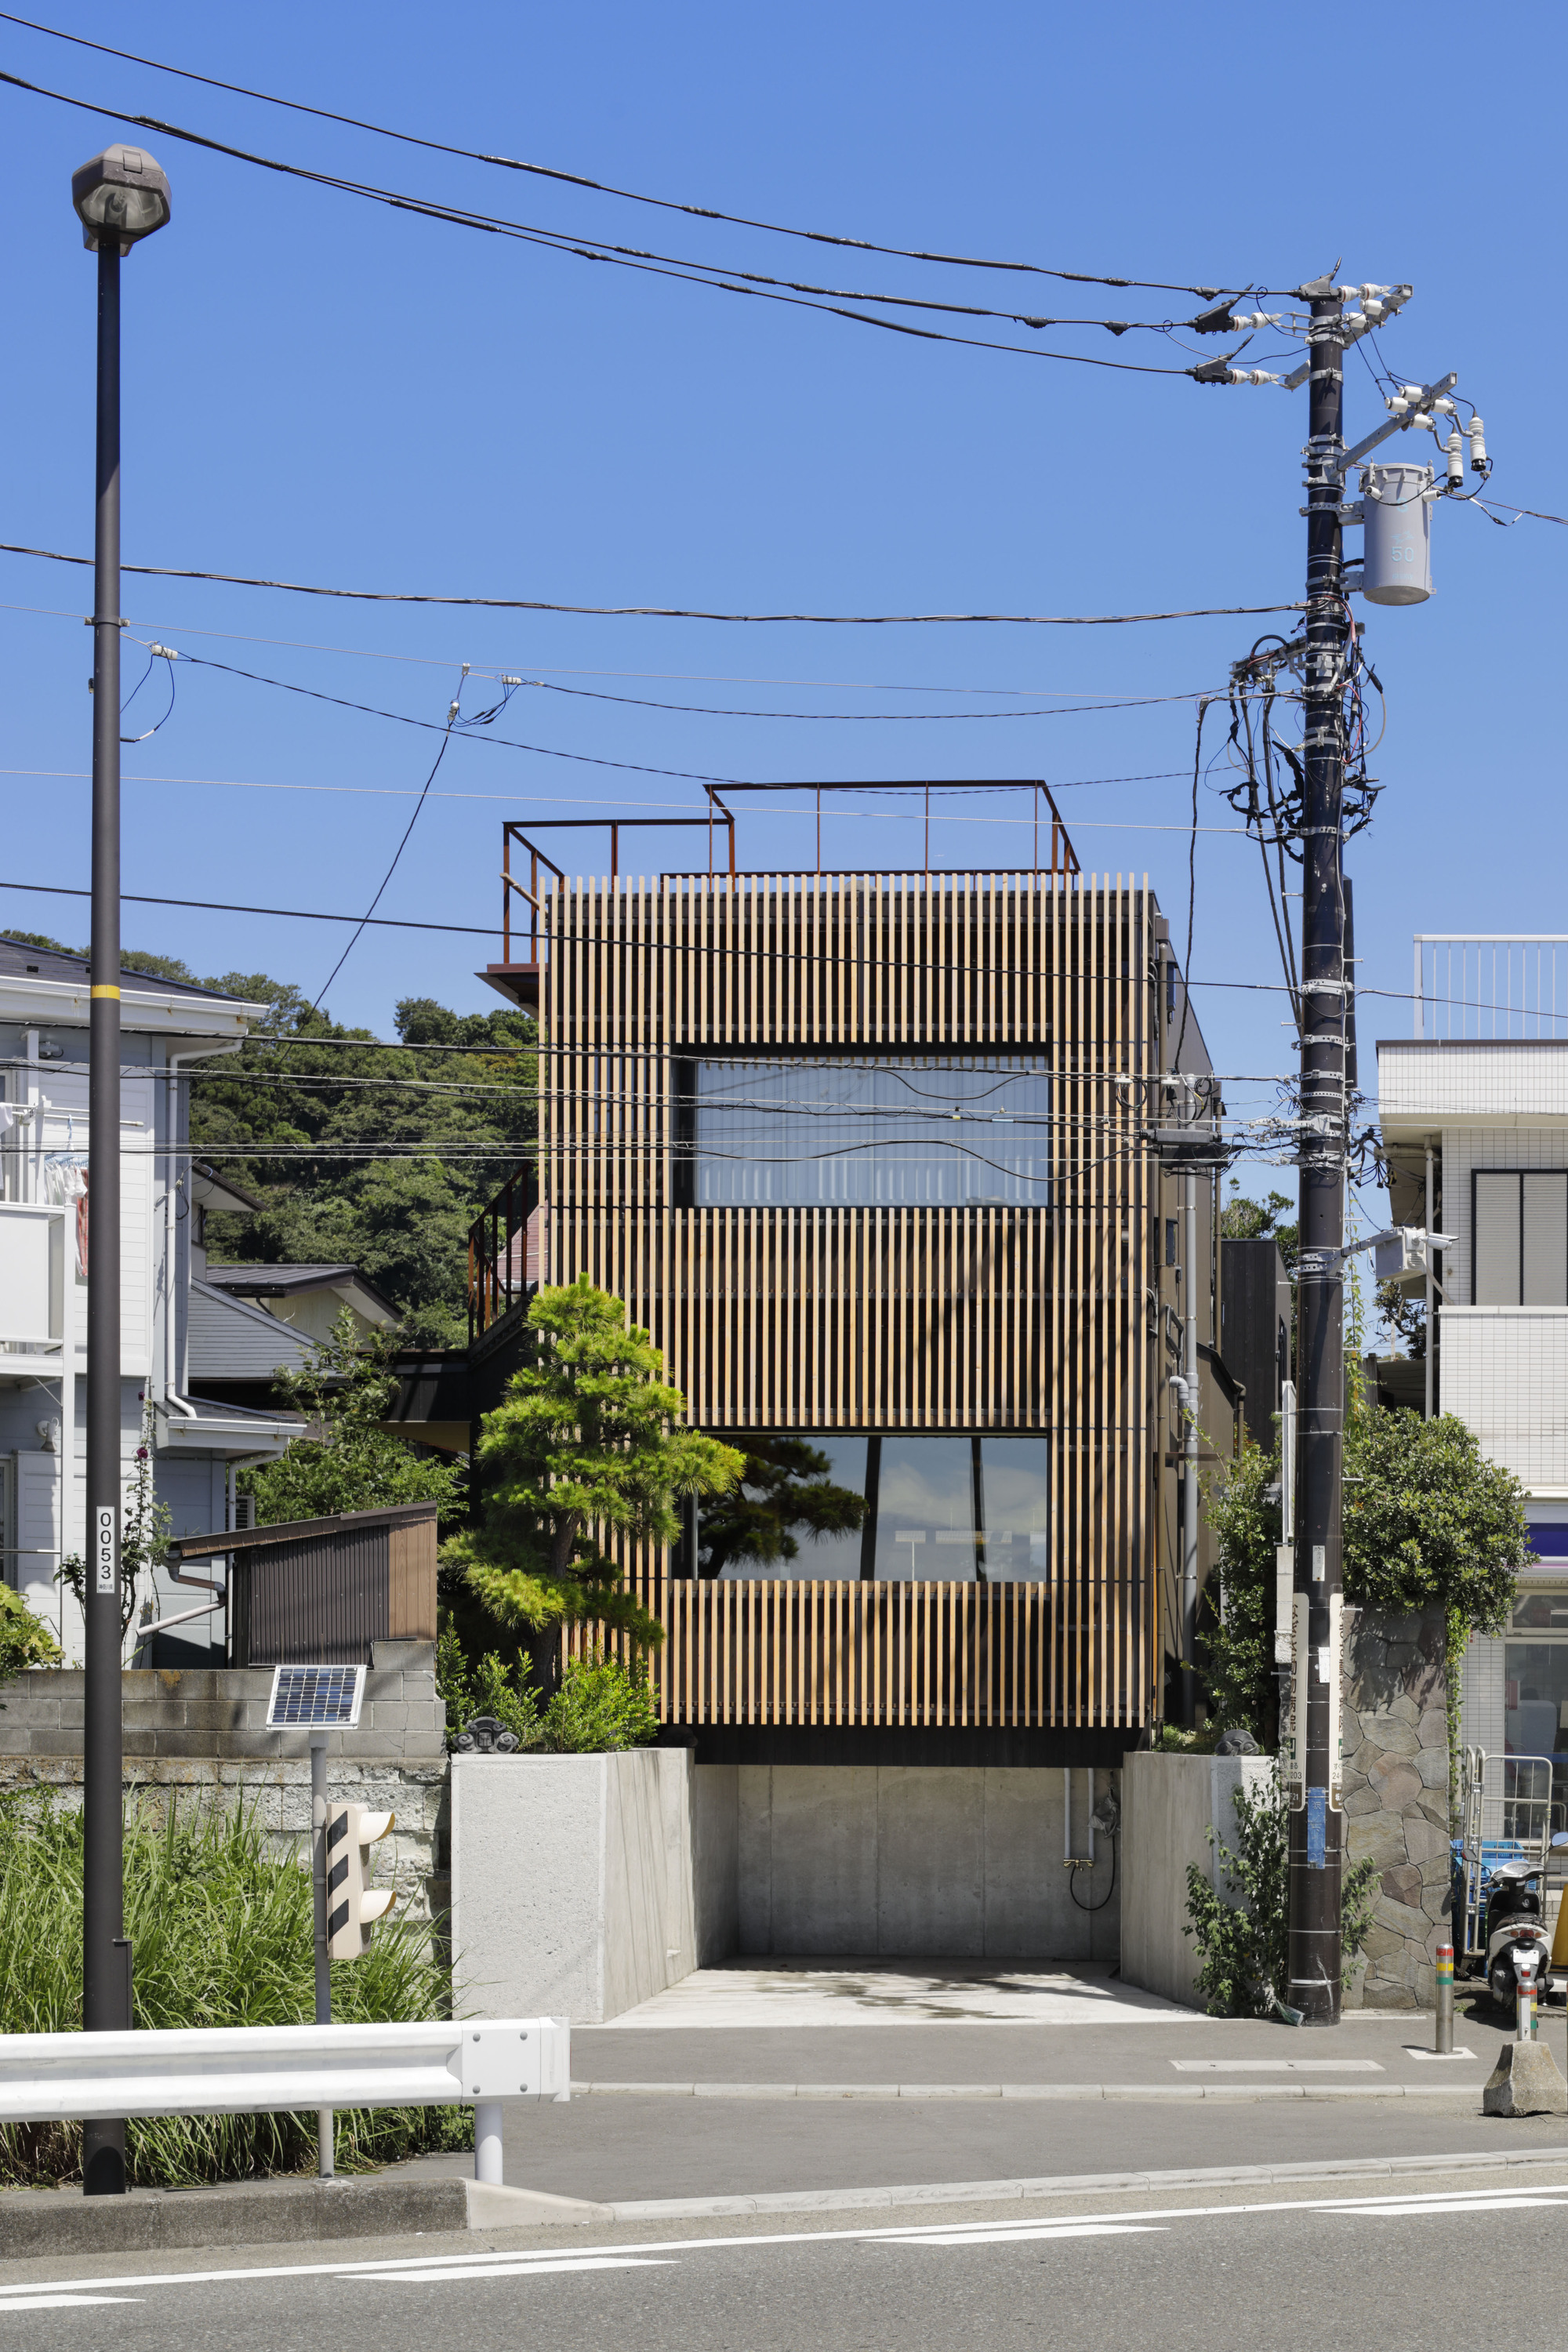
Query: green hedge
[222, 1932]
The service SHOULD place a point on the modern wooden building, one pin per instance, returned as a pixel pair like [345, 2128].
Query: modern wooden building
[876, 1160]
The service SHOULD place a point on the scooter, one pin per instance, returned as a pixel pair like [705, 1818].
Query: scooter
[1515, 1923]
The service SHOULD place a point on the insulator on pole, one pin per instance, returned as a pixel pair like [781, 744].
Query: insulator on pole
[1455, 449]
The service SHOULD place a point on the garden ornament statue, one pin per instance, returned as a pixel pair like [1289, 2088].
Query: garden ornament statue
[486, 1735]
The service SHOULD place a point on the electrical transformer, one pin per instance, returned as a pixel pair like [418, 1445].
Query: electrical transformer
[1397, 508]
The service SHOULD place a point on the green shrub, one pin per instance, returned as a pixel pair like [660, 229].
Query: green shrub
[600, 1704]
[1244, 1945]
[222, 1932]
[25, 1640]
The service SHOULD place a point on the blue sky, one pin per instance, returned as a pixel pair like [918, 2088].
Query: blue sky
[325, 390]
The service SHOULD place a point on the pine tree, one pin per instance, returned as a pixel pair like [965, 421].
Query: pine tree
[585, 1443]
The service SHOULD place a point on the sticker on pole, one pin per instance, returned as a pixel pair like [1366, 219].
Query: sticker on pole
[1317, 1828]
[106, 1551]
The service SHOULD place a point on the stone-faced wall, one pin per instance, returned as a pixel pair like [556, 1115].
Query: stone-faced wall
[413, 1858]
[1395, 1739]
[197, 1737]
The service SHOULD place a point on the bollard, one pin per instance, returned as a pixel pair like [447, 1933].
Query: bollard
[1445, 2040]
[1525, 1965]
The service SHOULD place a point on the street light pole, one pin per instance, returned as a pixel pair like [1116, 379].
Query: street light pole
[121, 197]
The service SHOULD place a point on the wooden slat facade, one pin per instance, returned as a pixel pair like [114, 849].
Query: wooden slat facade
[895, 1319]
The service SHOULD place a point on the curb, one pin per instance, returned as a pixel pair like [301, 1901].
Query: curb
[1229, 2092]
[296, 2212]
[1081, 2184]
[271, 2212]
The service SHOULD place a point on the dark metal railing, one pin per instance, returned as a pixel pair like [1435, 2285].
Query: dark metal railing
[505, 1248]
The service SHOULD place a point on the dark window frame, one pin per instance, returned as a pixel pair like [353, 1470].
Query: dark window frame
[685, 1552]
[1520, 1174]
[684, 1101]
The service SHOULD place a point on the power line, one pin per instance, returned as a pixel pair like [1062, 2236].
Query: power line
[396, 854]
[629, 808]
[669, 611]
[1079, 709]
[601, 187]
[645, 947]
[753, 283]
[565, 669]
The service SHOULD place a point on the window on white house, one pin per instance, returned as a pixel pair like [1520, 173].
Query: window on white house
[1521, 1237]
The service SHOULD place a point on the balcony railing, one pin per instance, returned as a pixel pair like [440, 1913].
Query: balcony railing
[1490, 984]
[506, 1250]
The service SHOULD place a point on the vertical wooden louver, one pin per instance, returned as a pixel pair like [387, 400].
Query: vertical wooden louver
[895, 1319]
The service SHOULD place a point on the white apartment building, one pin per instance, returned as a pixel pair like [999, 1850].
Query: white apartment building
[44, 1239]
[1474, 1113]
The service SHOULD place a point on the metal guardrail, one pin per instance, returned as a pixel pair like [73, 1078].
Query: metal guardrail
[253, 2070]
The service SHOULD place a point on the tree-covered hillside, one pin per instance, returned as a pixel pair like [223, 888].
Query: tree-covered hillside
[359, 1152]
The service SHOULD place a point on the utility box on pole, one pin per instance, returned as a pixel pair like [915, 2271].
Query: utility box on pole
[1396, 520]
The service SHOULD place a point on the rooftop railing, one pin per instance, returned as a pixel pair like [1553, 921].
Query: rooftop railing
[1490, 984]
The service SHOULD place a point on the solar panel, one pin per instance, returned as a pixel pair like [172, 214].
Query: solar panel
[315, 1697]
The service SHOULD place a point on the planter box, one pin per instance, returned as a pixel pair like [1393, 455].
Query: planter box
[575, 1879]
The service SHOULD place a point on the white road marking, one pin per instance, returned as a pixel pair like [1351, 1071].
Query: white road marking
[1019, 2232]
[1437, 2056]
[1397, 2204]
[1277, 2066]
[1518, 2203]
[525, 2267]
[58, 2301]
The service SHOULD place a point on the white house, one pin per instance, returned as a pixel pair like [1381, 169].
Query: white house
[44, 1214]
[1474, 1113]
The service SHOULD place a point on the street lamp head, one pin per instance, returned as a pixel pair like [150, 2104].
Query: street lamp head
[122, 193]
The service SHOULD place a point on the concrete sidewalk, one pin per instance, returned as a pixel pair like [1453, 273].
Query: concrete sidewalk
[926, 2072]
[756, 1994]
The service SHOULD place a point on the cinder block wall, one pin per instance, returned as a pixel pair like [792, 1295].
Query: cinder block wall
[177, 1711]
[197, 1737]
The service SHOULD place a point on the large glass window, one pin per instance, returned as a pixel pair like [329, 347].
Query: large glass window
[1535, 1693]
[929, 1131]
[947, 1509]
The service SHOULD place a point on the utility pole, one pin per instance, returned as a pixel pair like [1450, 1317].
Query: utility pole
[1315, 1826]
[1189, 1437]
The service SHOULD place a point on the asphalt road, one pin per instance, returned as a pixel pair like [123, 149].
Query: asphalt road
[1203, 2270]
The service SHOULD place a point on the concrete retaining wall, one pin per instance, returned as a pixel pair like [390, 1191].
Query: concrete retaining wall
[573, 1882]
[1168, 1804]
[939, 1859]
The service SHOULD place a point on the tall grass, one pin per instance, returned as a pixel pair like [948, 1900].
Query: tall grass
[222, 1933]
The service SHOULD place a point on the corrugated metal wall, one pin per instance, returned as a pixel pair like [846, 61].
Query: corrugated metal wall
[322, 1600]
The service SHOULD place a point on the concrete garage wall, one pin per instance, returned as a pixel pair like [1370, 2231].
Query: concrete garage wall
[1168, 1803]
[950, 1861]
[573, 1892]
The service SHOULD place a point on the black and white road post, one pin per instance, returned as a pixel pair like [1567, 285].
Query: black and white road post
[121, 197]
